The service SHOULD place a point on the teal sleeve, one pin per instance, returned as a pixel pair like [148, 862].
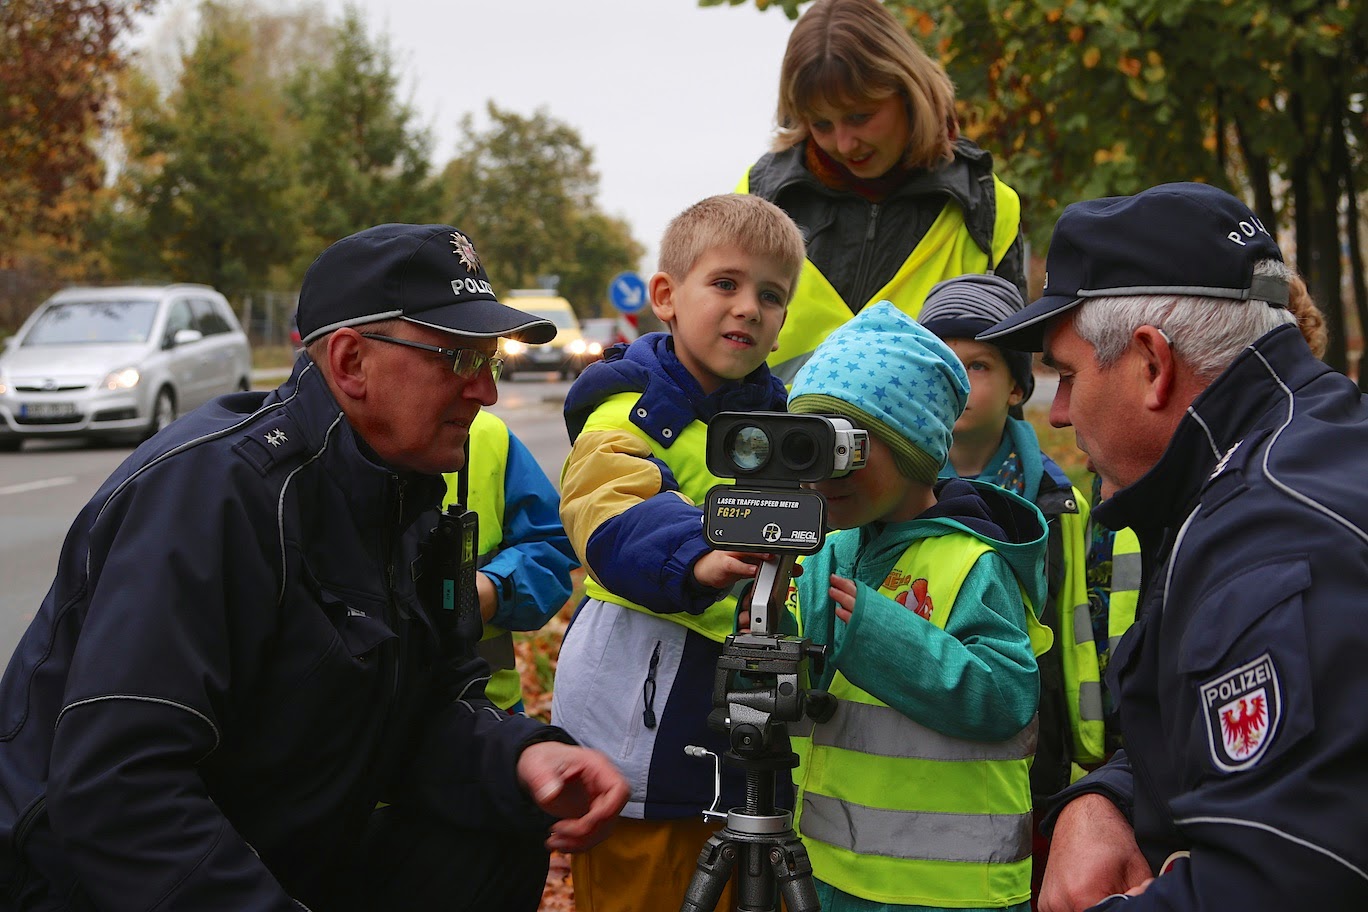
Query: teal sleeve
[977, 679]
[815, 606]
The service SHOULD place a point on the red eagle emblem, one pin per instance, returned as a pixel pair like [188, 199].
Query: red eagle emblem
[1243, 725]
[1242, 709]
[923, 606]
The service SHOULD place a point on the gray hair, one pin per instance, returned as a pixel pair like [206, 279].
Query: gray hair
[318, 348]
[1208, 332]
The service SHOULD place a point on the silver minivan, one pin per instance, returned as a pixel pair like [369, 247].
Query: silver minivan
[118, 362]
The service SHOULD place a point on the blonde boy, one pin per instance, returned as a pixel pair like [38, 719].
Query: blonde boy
[635, 671]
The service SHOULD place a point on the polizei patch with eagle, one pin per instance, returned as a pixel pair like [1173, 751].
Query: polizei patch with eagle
[1243, 708]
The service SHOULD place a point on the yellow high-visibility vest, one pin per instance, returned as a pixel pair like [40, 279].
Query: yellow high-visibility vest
[1078, 651]
[485, 491]
[1125, 586]
[686, 458]
[895, 812]
[945, 251]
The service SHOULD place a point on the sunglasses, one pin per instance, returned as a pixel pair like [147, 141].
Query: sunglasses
[466, 363]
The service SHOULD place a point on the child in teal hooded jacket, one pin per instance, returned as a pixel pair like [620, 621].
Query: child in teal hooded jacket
[915, 794]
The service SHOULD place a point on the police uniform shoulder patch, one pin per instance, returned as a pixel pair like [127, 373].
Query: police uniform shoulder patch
[269, 443]
[1242, 709]
[1225, 460]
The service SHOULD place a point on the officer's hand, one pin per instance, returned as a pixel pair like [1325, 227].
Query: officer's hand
[1093, 854]
[721, 569]
[578, 785]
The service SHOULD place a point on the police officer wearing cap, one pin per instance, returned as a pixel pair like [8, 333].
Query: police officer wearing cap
[234, 695]
[1237, 458]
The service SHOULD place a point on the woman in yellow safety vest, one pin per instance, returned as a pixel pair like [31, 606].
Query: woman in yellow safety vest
[869, 161]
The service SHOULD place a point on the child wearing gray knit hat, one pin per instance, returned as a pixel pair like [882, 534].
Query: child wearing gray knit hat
[925, 598]
[993, 443]
[963, 307]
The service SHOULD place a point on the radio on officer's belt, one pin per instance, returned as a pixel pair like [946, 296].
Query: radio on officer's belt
[453, 563]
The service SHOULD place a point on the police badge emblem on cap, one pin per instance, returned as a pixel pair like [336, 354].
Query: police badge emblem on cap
[1242, 709]
[466, 251]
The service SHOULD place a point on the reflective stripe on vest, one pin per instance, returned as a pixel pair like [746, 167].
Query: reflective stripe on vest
[686, 458]
[485, 491]
[1078, 650]
[1125, 587]
[895, 812]
[945, 251]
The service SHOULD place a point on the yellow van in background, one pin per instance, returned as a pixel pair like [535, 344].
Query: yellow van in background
[566, 354]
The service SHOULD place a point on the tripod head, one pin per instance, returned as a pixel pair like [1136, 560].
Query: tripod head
[758, 687]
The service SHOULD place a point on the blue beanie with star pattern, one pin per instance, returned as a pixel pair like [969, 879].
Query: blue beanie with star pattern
[891, 376]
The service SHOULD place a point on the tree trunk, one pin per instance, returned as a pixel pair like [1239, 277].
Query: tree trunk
[1301, 182]
[1259, 174]
[1328, 272]
[1355, 244]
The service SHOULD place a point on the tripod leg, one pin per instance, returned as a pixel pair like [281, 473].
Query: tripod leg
[793, 872]
[710, 875]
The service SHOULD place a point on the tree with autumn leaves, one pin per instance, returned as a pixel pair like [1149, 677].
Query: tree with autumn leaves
[58, 60]
[1078, 99]
[276, 132]
[1075, 98]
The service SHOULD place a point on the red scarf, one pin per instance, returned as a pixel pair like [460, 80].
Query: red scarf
[835, 175]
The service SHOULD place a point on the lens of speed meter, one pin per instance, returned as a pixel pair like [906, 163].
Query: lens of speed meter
[750, 448]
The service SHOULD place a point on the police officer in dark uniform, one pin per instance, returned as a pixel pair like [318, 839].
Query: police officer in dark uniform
[1238, 459]
[244, 689]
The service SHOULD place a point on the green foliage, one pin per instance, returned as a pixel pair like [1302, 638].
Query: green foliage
[363, 159]
[525, 191]
[1079, 99]
[207, 187]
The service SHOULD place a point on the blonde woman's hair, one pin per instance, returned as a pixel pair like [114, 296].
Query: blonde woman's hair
[754, 225]
[1310, 320]
[844, 51]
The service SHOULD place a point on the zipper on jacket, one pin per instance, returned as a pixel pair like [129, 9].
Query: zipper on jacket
[395, 615]
[862, 271]
[648, 690]
[26, 823]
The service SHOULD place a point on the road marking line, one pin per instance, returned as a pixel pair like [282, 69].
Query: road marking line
[38, 485]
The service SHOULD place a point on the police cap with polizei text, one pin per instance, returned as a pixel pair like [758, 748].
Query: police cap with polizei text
[426, 274]
[1173, 239]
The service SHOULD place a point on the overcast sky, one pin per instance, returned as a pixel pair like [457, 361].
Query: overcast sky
[674, 100]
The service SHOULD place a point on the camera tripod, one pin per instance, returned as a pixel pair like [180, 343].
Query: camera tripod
[756, 692]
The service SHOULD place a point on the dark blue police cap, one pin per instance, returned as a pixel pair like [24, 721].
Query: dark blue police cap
[1173, 239]
[425, 274]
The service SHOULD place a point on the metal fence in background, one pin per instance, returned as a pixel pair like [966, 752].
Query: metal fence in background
[268, 316]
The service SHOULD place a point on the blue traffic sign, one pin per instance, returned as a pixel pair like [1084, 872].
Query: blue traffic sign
[628, 292]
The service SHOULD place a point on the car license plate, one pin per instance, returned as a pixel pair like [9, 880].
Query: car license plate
[48, 410]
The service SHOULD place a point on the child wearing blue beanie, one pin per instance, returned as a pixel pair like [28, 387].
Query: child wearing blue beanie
[916, 794]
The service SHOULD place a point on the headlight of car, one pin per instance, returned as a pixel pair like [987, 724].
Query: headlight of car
[514, 347]
[577, 347]
[123, 379]
[595, 349]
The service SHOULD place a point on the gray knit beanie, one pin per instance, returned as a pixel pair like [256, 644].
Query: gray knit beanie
[963, 307]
